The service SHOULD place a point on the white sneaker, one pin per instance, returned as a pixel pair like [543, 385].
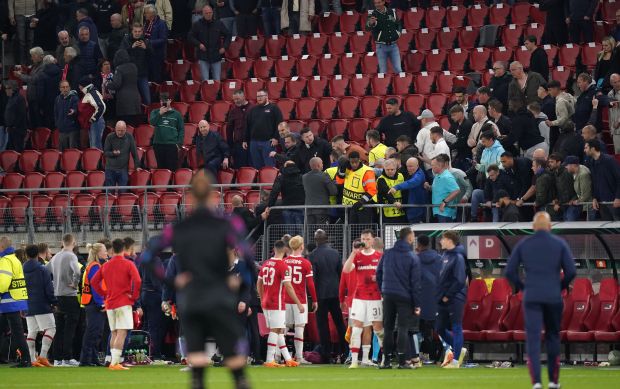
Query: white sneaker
[303, 362]
[186, 368]
[70, 363]
[537, 385]
[354, 365]
[462, 356]
[368, 364]
[57, 363]
[554, 385]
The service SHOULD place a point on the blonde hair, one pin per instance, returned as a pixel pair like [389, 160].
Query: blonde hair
[93, 250]
[611, 41]
[296, 242]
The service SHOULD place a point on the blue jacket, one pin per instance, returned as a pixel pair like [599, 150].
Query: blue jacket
[92, 27]
[491, 156]
[167, 292]
[65, 122]
[430, 263]
[583, 107]
[417, 195]
[452, 277]
[543, 256]
[150, 279]
[97, 298]
[605, 178]
[158, 38]
[40, 288]
[398, 273]
[90, 55]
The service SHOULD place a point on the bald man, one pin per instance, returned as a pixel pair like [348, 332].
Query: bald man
[65, 40]
[524, 86]
[211, 148]
[117, 148]
[115, 36]
[416, 194]
[544, 258]
[318, 187]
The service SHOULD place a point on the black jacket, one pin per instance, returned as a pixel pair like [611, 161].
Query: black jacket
[570, 143]
[524, 130]
[139, 56]
[289, 183]
[247, 216]
[565, 186]
[499, 88]
[504, 124]
[46, 29]
[327, 267]
[211, 146]
[546, 191]
[319, 148]
[115, 39]
[75, 72]
[210, 34]
[462, 133]
[504, 181]
[262, 123]
[577, 9]
[125, 84]
[15, 113]
[605, 178]
[583, 107]
[521, 175]
[539, 63]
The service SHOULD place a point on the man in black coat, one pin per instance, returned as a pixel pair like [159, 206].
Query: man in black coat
[556, 32]
[327, 267]
[140, 51]
[289, 183]
[539, 62]
[461, 127]
[211, 39]
[311, 147]
[583, 106]
[15, 116]
[500, 82]
[115, 36]
[519, 169]
[211, 148]
[579, 17]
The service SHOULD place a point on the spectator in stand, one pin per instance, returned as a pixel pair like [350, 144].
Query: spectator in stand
[93, 305]
[289, 150]
[20, 12]
[168, 135]
[289, 183]
[556, 32]
[497, 180]
[583, 184]
[141, 53]
[65, 114]
[388, 178]
[397, 123]
[236, 128]
[503, 122]
[45, 25]
[211, 148]
[483, 96]
[377, 149]
[151, 301]
[270, 12]
[589, 133]
[132, 13]
[564, 111]
[297, 17]
[519, 170]
[423, 140]
[103, 10]
[118, 147]
[225, 14]
[90, 54]
[15, 117]
[614, 110]
[72, 70]
[500, 83]
[565, 189]
[524, 86]
[462, 180]
[125, 84]
[239, 209]
[541, 119]
[441, 147]
[261, 130]
[616, 31]
[65, 40]
[579, 17]
[164, 11]
[32, 80]
[546, 190]
[605, 64]
[570, 142]
[583, 106]
[547, 102]
[461, 127]
[414, 186]
[318, 189]
[84, 20]
[605, 182]
[524, 131]
[385, 27]
[327, 269]
[539, 62]
[95, 120]
[310, 147]
[14, 299]
[481, 120]
[4, 135]
[156, 35]
[115, 36]
[338, 143]
[461, 98]
[65, 271]
[491, 153]
[47, 90]
[246, 13]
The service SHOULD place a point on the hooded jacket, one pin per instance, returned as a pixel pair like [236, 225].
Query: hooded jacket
[290, 183]
[416, 195]
[452, 277]
[430, 268]
[491, 156]
[398, 273]
[125, 83]
[40, 288]
[66, 112]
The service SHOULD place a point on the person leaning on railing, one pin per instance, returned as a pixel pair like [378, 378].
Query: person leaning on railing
[117, 148]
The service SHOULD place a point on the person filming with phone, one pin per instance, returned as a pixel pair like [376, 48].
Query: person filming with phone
[169, 133]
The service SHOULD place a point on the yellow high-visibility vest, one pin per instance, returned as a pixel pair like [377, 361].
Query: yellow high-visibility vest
[331, 172]
[354, 185]
[377, 152]
[398, 196]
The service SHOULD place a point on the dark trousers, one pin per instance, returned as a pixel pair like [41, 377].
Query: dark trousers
[116, 177]
[18, 340]
[167, 156]
[428, 345]
[579, 28]
[239, 156]
[393, 307]
[17, 137]
[250, 323]
[213, 166]
[67, 319]
[609, 213]
[69, 140]
[95, 320]
[154, 321]
[538, 316]
[330, 306]
[247, 25]
[293, 22]
[450, 324]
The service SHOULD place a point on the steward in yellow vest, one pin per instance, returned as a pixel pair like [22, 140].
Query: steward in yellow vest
[13, 292]
[359, 188]
[390, 178]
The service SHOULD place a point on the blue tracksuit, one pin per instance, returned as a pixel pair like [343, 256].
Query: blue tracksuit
[430, 263]
[40, 288]
[453, 286]
[398, 273]
[543, 257]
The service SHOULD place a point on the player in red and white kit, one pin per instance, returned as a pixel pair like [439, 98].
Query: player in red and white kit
[303, 282]
[366, 308]
[274, 285]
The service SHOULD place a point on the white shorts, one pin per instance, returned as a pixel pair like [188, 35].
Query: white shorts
[274, 319]
[41, 322]
[366, 311]
[294, 317]
[120, 318]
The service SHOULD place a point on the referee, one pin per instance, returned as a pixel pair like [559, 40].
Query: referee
[543, 257]
[206, 297]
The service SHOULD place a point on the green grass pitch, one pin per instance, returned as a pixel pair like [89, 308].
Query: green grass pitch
[322, 377]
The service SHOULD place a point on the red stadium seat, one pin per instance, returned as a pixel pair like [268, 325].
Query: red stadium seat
[275, 87]
[479, 58]
[236, 46]
[336, 127]
[141, 151]
[337, 86]
[179, 69]
[381, 84]
[264, 67]
[589, 54]
[502, 53]
[53, 180]
[371, 107]
[445, 82]
[468, 37]
[370, 64]
[28, 161]
[317, 126]
[498, 14]
[174, 49]
[561, 74]
[170, 87]
[219, 111]
[18, 209]
[578, 306]
[512, 321]
[246, 175]
[435, 59]
[435, 102]
[328, 22]
[254, 46]
[189, 133]
[82, 205]
[552, 53]
[402, 84]
[103, 204]
[359, 85]
[139, 177]
[360, 42]
[188, 91]
[349, 64]
[477, 14]
[523, 55]
[457, 59]
[423, 83]
[306, 66]
[455, 16]
[414, 60]
[536, 15]
[498, 299]
[337, 43]
[148, 200]
[287, 106]
[568, 55]
[295, 87]
[75, 179]
[94, 179]
[229, 87]
[284, 66]
[349, 21]
[209, 90]
[535, 29]
[473, 319]
[511, 35]
[414, 103]
[357, 129]
[143, 135]
[274, 46]
[304, 108]
[126, 204]
[196, 73]
[609, 9]
[315, 44]
[424, 39]
[182, 176]
[252, 86]
[412, 19]
[40, 207]
[326, 108]
[70, 159]
[160, 177]
[40, 138]
[8, 160]
[327, 64]
[267, 175]
[446, 37]
[225, 176]
[168, 206]
[241, 68]
[601, 320]
[252, 199]
[198, 111]
[520, 13]
[91, 159]
[33, 180]
[347, 107]
[404, 42]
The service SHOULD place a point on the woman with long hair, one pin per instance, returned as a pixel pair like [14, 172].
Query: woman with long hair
[605, 64]
[93, 304]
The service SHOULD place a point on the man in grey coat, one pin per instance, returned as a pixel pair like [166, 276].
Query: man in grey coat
[118, 147]
[318, 187]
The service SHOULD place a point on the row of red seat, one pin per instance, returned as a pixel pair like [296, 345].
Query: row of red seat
[498, 316]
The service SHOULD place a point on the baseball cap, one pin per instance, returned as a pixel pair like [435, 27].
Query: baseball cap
[426, 114]
[571, 160]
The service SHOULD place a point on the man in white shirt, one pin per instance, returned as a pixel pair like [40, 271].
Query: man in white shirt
[439, 146]
[423, 140]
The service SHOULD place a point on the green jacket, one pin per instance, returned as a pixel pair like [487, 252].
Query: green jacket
[583, 185]
[169, 127]
[387, 29]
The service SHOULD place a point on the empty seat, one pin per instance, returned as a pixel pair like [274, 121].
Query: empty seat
[405, 40]
[267, 175]
[33, 180]
[349, 21]
[295, 45]
[349, 64]
[28, 161]
[479, 58]
[424, 39]
[360, 42]
[359, 85]
[328, 22]
[8, 160]
[501, 53]
[414, 103]
[170, 87]
[477, 14]
[148, 201]
[523, 55]
[54, 180]
[284, 66]
[168, 206]
[229, 87]
[246, 175]
[69, 159]
[578, 306]
[225, 176]
[18, 209]
[198, 111]
[188, 90]
[254, 46]
[295, 87]
[252, 199]
[520, 13]
[371, 106]
[40, 207]
[182, 176]
[126, 204]
[337, 43]
[412, 19]
[511, 35]
[304, 108]
[498, 14]
[568, 54]
[252, 86]
[589, 54]
[496, 303]
[94, 179]
[40, 137]
[338, 86]
[561, 74]
[315, 44]
[414, 60]
[402, 84]
[143, 135]
[82, 205]
[435, 59]
[336, 127]
[423, 83]
[601, 320]
[357, 129]
[287, 106]
[473, 318]
[178, 70]
[457, 59]
[209, 90]
[306, 66]
[139, 177]
[75, 179]
[455, 16]
[468, 37]
[275, 87]
[446, 37]
[219, 111]
[381, 84]
[190, 130]
[326, 108]
[160, 177]
[435, 102]
[327, 64]
[347, 107]
[535, 29]
[263, 67]
[91, 159]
